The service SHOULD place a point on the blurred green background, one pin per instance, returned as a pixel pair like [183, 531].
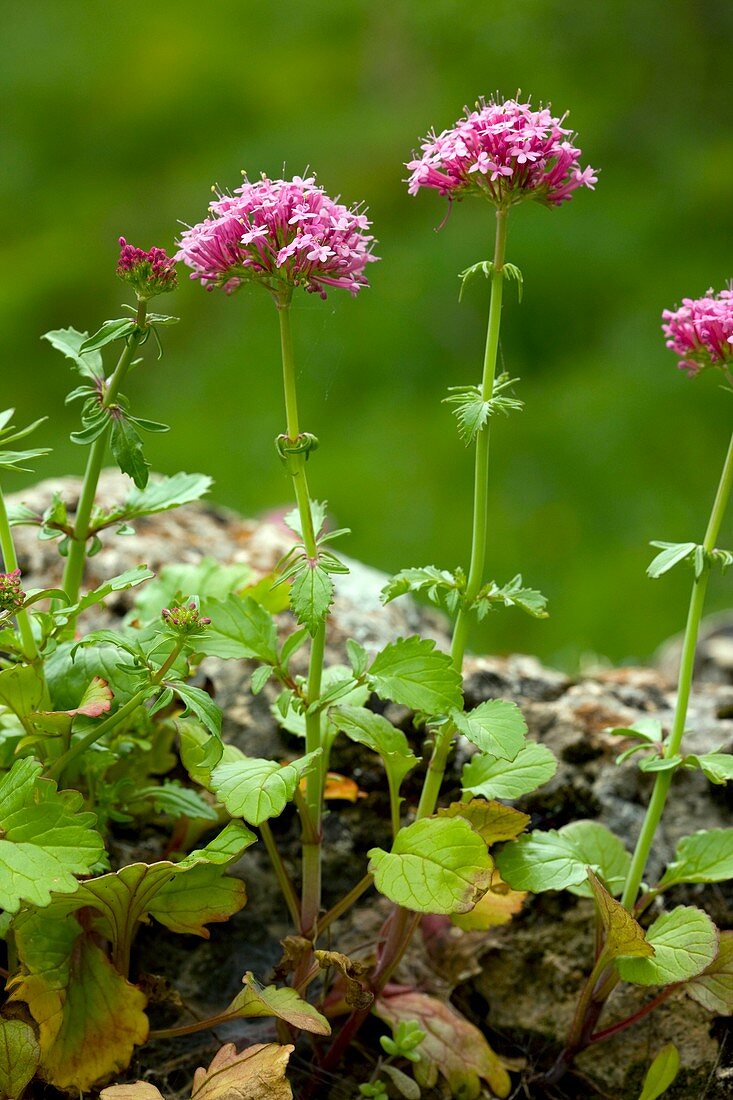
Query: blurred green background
[117, 119]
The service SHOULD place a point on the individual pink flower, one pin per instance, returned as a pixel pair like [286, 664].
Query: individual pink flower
[283, 234]
[506, 152]
[148, 273]
[700, 332]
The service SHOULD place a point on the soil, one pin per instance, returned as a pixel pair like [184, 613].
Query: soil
[519, 982]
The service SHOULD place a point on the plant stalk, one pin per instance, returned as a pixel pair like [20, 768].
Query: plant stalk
[10, 564]
[76, 560]
[311, 885]
[286, 886]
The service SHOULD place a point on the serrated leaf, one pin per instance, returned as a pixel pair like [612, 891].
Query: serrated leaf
[96, 700]
[200, 703]
[493, 821]
[661, 1073]
[45, 838]
[257, 1073]
[127, 448]
[492, 777]
[239, 628]
[89, 1017]
[436, 865]
[713, 988]
[452, 1047]
[706, 856]
[558, 859]
[623, 935]
[19, 1057]
[311, 594]
[685, 942]
[259, 789]
[284, 1004]
[172, 799]
[293, 720]
[413, 672]
[496, 727]
[161, 495]
[715, 766]
[69, 342]
[441, 587]
[378, 734]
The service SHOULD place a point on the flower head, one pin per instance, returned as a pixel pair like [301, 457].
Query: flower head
[148, 273]
[700, 332]
[184, 619]
[506, 152]
[11, 592]
[283, 234]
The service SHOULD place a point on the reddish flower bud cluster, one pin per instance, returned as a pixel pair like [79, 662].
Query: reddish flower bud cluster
[148, 273]
[184, 620]
[506, 152]
[12, 595]
[700, 332]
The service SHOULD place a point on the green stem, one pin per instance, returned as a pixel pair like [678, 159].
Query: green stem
[286, 886]
[311, 887]
[10, 562]
[76, 560]
[663, 780]
[56, 770]
[444, 738]
[345, 903]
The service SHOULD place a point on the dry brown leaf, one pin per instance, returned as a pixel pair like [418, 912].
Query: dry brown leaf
[257, 1073]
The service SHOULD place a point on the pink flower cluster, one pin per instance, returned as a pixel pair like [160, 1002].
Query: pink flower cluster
[700, 332]
[282, 233]
[148, 273]
[506, 152]
[11, 592]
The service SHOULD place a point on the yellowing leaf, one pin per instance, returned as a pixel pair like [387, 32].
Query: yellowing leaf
[19, 1057]
[257, 1073]
[342, 788]
[89, 1017]
[624, 935]
[497, 906]
[713, 989]
[493, 821]
[140, 1090]
[283, 1004]
[452, 1046]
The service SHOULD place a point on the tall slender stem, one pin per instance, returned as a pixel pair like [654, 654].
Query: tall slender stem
[663, 780]
[281, 873]
[311, 886]
[10, 562]
[75, 562]
[443, 739]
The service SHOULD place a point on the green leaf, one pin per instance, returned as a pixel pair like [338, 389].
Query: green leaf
[96, 701]
[107, 333]
[129, 579]
[713, 988]
[441, 587]
[161, 495]
[376, 733]
[715, 766]
[19, 1057]
[21, 689]
[672, 554]
[311, 594]
[413, 672]
[319, 510]
[493, 821]
[706, 856]
[512, 594]
[559, 859]
[661, 1073]
[45, 839]
[127, 448]
[624, 936]
[284, 1004]
[259, 789]
[497, 727]
[436, 865]
[89, 1017]
[472, 410]
[335, 680]
[208, 579]
[239, 628]
[69, 342]
[685, 942]
[200, 703]
[492, 777]
[405, 1085]
[172, 799]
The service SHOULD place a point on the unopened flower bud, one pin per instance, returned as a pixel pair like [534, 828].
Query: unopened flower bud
[11, 592]
[148, 273]
[184, 619]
